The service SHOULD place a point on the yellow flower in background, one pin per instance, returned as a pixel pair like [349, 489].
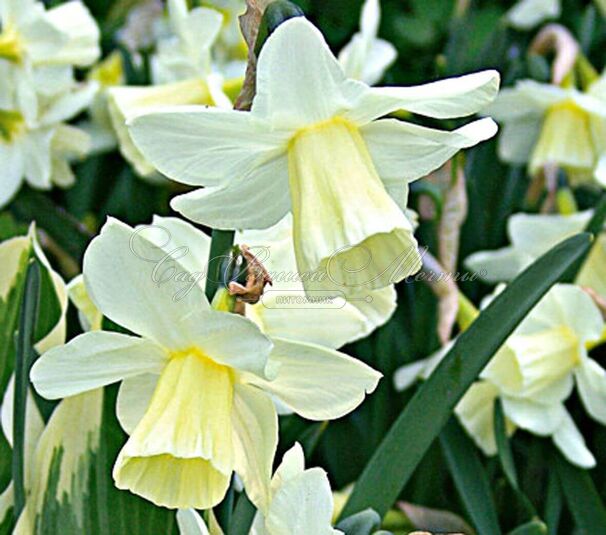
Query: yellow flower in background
[531, 236]
[366, 57]
[312, 145]
[545, 124]
[197, 386]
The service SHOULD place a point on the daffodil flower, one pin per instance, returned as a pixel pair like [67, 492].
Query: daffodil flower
[366, 57]
[532, 235]
[546, 124]
[526, 14]
[35, 144]
[64, 35]
[285, 310]
[534, 373]
[312, 145]
[197, 384]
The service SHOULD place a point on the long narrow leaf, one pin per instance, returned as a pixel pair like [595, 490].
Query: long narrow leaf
[582, 497]
[23, 360]
[428, 411]
[470, 478]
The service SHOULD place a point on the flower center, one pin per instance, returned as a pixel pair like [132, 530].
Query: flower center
[10, 46]
[12, 124]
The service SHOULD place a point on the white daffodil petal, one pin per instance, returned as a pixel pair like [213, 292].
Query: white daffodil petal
[316, 382]
[233, 341]
[70, 104]
[452, 97]
[256, 439]
[571, 443]
[258, 200]
[36, 148]
[299, 81]
[204, 146]
[380, 56]
[191, 523]
[538, 418]
[302, 505]
[592, 272]
[535, 234]
[140, 287]
[499, 265]
[134, 397]
[405, 151]
[591, 381]
[517, 140]
[527, 14]
[92, 360]
[188, 244]
[12, 171]
[475, 411]
[74, 21]
[292, 465]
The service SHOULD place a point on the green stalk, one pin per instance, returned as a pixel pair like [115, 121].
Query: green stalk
[23, 361]
[221, 242]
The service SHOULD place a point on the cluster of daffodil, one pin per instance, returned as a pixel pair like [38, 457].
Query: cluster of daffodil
[315, 181]
[39, 49]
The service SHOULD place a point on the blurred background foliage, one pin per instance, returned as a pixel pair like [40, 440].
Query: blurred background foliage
[434, 38]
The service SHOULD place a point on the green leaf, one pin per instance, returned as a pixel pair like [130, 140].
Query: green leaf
[64, 229]
[503, 446]
[506, 458]
[581, 496]
[553, 504]
[425, 415]
[470, 478]
[9, 318]
[242, 517]
[534, 527]
[362, 523]
[24, 357]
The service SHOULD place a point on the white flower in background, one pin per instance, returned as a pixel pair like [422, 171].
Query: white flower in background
[231, 51]
[312, 145]
[531, 236]
[526, 14]
[182, 73]
[197, 386]
[301, 503]
[545, 124]
[187, 53]
[534, 373]
[65, 35]
[366, 57]
[349, 318]
[35, 143]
